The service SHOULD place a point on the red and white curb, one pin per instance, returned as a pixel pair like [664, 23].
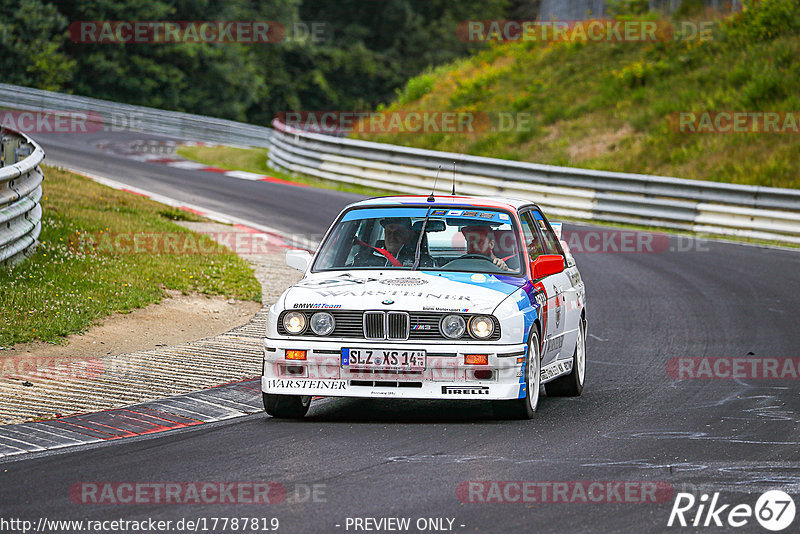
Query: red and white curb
[181, 411]
[185, 164]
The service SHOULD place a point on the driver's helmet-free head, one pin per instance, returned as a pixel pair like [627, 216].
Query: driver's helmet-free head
[480, 239]
[397, 232]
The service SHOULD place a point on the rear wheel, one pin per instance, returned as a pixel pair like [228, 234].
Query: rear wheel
[571, 385]
[286, 406]
[525, 407]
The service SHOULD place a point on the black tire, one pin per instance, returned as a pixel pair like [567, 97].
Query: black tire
[571, 385]
[286, 406]
[525, 408]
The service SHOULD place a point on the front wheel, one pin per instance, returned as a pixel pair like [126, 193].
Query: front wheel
[571, 385]
[286, 406]
[525, 407]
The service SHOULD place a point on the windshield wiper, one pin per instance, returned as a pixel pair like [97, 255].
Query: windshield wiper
[419, 240]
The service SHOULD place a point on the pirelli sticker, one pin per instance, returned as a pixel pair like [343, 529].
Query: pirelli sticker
[465, 390]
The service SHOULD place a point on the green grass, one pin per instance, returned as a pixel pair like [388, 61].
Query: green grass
[255, 160]
[69, 284]
[611, 106]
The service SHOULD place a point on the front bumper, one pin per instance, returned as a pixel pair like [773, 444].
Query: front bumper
[444, 377]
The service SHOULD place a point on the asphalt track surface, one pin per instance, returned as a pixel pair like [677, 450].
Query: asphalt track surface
[384, 458]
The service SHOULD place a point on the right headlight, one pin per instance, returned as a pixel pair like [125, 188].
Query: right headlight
[294, 322]
[453, 326]
[481, 327]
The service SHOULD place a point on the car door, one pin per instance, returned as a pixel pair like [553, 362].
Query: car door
[540, 239]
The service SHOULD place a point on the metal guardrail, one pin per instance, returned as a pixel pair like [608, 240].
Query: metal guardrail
[114, 116]
[692, 205]
[20, 193]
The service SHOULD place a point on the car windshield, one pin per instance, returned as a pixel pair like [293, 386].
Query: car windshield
[477, 240]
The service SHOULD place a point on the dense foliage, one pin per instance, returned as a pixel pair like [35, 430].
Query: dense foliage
[372, 48]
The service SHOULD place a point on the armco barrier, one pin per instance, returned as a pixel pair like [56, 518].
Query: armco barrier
[20, 193]
[120, 117]
[692, 205]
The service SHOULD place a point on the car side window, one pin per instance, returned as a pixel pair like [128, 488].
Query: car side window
[549, 239]
[532, 241]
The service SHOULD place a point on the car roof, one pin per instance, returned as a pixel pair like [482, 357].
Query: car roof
[511, 204]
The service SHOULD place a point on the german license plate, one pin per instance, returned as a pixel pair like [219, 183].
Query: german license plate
[385, 359]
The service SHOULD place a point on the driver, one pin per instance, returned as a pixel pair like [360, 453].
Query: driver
[480, 240]
[398, 247]
[397, 236]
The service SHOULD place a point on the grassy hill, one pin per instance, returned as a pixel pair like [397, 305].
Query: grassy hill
[614, 106]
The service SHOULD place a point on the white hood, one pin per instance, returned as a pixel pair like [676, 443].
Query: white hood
[407, 290]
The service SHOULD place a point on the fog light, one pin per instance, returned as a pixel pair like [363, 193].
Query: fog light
[476, 359]
[295, 355]
[483, 374]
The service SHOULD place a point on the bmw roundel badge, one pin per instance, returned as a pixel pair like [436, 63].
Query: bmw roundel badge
[387, 302]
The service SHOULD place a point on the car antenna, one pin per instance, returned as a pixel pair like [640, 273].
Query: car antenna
[454, 178]
[430, 198]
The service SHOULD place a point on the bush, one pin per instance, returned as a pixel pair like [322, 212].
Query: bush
[640, 73]
[762, 20]
[415, 89]
[622, 8]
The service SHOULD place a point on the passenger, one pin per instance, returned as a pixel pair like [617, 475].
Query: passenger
[480, 240]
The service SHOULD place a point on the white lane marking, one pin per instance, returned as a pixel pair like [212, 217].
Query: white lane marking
[243, 175]
[615, 363]
[597, 338]
[189, 165]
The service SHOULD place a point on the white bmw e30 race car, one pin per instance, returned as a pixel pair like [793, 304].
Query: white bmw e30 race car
[423, 298]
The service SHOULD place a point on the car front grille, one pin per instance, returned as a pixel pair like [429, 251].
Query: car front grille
[374, 325]
[391, 326]
[397, 326]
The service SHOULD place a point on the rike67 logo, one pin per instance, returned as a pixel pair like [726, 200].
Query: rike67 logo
[774, 510]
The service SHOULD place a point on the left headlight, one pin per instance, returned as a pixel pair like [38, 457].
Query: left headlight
[481, 327]
[294, 322]
[322, 323]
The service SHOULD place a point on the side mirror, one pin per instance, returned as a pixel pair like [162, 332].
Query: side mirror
[298, 259]
[546, 265]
